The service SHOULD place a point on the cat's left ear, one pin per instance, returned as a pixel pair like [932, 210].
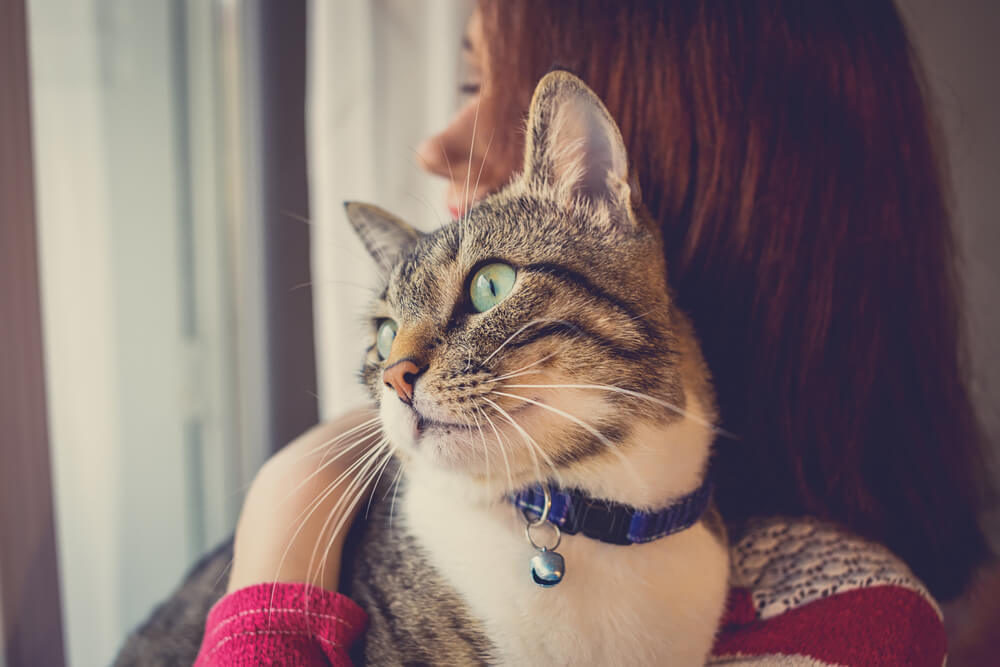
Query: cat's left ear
[384, 235]
[573, 143]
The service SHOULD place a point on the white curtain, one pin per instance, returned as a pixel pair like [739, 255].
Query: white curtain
[383, 75]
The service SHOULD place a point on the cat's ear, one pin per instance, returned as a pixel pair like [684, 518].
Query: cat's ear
[384, 235]
[573, 144]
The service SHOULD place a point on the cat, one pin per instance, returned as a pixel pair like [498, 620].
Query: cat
[532, 350]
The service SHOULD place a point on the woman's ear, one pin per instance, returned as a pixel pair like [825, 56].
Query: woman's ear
[384, 235]
[573, 144]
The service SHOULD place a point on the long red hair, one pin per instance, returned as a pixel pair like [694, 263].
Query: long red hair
[785, 147]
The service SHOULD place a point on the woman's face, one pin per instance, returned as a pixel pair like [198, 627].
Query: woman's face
[463, 152]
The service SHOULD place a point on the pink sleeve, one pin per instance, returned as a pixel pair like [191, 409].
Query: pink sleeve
[295, 624]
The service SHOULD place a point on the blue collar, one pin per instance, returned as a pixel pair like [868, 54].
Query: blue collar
[575, 512]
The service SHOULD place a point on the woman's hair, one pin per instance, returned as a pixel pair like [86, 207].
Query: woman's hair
[785, 147]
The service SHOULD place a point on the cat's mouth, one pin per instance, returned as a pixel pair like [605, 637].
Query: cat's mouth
[425, 424]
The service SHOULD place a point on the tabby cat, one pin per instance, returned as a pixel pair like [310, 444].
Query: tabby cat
[533, 344]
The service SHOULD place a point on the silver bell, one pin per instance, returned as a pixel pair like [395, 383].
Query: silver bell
[547, 568]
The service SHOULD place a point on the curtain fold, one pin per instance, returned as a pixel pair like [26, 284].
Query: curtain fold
[383, 75]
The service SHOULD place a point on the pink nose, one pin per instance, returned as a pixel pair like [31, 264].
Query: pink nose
[401, 376]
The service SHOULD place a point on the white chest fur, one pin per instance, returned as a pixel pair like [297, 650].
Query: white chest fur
[657, 603]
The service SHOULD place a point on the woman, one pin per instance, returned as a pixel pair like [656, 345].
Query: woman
[785, 149]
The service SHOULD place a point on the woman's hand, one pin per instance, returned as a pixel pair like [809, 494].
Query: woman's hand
[283, 534]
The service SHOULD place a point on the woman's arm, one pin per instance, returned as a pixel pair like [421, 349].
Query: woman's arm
[281, 602]
[285, 533]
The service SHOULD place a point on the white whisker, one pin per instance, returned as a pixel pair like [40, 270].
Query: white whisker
[530, 441]
[356, 489]
[628, 392]
[468, 171]
[486, 451]
[481, 165]
[315, 504]
[341, 436]
[344, 516]
[590, 429]
[395, 488]
[337, 449]
[500, 444]
[540, 320]
[518, 374]
[365, 439]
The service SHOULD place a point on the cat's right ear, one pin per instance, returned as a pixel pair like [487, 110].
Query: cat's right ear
[574, 145]
[384, 235]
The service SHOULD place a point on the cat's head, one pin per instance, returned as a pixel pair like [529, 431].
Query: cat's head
[535, 334]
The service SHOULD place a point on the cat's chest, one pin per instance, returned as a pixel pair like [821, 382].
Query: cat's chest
[656, 603]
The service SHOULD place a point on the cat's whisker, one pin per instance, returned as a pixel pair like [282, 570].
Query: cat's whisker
[507, 445]
[345, 515]
[558, 351]
[529, 440]
[339, 283]
[366, 461]
[628, 392]
[364, 440]
[366, 425]
[297, 217]
[369, 480]
[361, 462]
[539, 320]
[343, 509]
[500, 444]
[468, 170]
[451, 174]
[367, 437]
[520, 371]
[423, 200]
[395, 489]
[377, 480]
[482, 164]
[576, 420]
[511, 376]
[531, 450]
[486, 451]
[345, 434]
[337, 448]
[357, 482]
[356, 474]
[364, 437]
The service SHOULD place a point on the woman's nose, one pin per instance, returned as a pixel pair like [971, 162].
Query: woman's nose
[449, 152]
[434, 158]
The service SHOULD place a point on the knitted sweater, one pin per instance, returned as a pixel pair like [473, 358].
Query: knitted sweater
[803, 593]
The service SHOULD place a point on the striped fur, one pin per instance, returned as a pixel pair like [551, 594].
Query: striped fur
[520, 394]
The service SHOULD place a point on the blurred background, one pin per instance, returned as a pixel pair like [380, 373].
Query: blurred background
[181, 294]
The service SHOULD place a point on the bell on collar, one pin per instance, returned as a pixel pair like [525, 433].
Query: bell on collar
[547, 568]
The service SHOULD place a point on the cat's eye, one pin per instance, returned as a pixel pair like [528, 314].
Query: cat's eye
[384, 337]
[490, 285]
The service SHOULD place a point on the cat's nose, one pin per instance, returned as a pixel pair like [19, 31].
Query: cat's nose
[401, 376]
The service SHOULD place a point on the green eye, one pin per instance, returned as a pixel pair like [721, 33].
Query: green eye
[491, 285]
[383, 339]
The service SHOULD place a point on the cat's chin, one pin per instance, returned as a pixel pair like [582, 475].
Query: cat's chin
[452, 449]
